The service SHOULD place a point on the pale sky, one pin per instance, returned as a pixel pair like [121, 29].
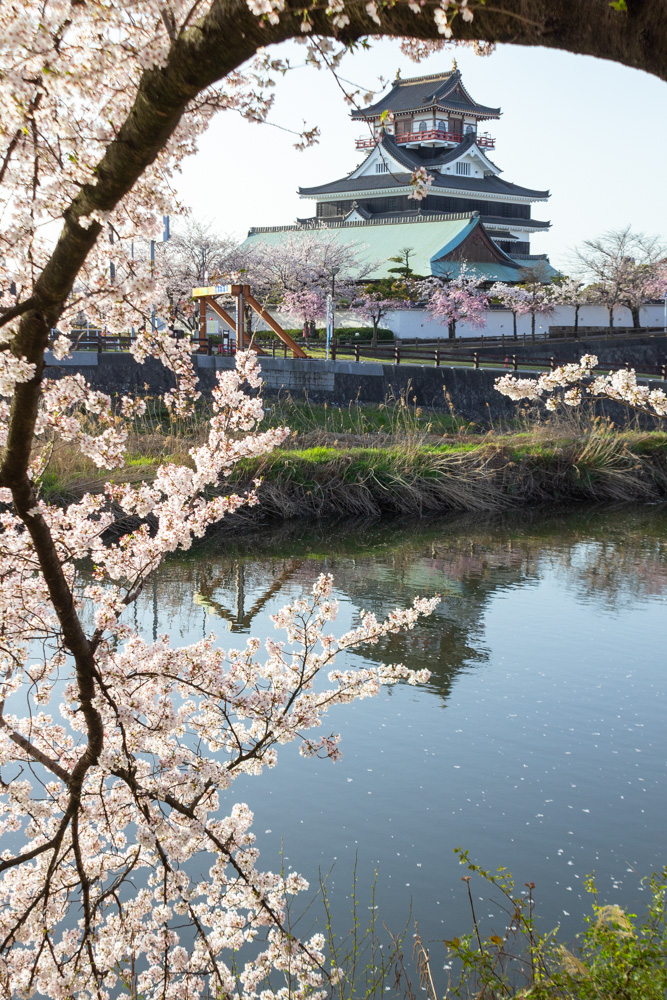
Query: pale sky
[591, 132]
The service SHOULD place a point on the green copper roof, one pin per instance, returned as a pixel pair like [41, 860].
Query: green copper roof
[492, 272]
[431, 239]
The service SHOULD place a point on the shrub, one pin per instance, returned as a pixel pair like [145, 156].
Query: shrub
[363, 333]
[620, 955]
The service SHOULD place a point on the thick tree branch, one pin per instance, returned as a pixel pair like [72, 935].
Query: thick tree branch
[37, 755]
[14, 311]
[220, 43]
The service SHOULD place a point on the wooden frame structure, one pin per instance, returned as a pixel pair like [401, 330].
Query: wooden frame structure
[207, 297]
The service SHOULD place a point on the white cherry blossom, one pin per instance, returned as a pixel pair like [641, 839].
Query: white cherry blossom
[573, 383]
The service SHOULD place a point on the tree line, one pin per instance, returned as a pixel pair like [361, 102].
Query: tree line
[297, 272]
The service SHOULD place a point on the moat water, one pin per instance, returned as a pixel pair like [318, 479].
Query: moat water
[539, 743]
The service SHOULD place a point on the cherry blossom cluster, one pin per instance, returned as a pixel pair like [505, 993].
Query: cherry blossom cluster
[574, 383]
[130, 868]
[420, 182]
[175, 354]
[125, 866]
[70, 73]
[534, 297]
[67, 405]
[307, 304]
[512, 297]
[305, 264]
[443, 13]
[456, 299]
[152, 821]
[374, 303]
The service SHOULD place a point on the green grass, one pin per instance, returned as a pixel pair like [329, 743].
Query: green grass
[394, 458]
[397, 417]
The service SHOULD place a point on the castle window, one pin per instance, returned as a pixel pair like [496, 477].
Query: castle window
[423, 126]
[463, 168]
[381, 168]
[469, 128]
[442, 125]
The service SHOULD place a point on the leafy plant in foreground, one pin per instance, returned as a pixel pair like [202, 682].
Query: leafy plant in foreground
[619, 956]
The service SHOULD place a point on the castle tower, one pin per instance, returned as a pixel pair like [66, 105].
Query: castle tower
[469, 214]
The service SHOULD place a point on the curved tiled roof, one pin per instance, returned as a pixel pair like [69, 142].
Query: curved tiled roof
[347, 185]
[419, 92]
[500, 220]
[413, 158]
[427, 213]
[410, 157]
[477, 185]
[431, 241]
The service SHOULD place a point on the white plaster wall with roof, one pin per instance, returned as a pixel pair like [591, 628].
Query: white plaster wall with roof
[417, 323]
[411, 323]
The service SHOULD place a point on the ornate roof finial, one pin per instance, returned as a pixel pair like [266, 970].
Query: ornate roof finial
[455, 65]
[398, 74]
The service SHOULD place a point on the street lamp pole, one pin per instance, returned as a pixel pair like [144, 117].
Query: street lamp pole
[331, 308]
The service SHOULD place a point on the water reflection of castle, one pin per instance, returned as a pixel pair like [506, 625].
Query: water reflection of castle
[380, 568]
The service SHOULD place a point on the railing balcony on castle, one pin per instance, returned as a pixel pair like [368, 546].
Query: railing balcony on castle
[484, 141]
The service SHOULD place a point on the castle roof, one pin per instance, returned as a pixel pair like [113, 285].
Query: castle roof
[431, 237]
[441, 182]
[444, 90]
[414, 158]
[502, 220]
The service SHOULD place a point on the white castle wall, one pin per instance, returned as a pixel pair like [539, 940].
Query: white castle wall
[411, 323]
[416, 323]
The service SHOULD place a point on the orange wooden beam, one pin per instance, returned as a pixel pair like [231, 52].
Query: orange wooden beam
[223, 314]
[297, 352]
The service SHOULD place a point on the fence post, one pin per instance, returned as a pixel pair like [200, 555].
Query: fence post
[552, 364]
[437, 357]
[475, 358]
[285, 351]
[663, 373]
[515, 364]
[209, 347]
[332, 351]
[356, 352]
[397, 353]
[99, 342]
[273, 348]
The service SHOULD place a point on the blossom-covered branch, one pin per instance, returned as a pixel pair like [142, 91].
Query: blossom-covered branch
[575, 383]
[116, 753]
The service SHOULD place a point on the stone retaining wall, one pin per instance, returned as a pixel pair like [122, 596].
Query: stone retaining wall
[651, 349]
[469, 392]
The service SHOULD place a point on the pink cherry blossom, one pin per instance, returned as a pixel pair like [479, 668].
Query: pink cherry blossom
[573, 383]
[118, 754]
[457, 299]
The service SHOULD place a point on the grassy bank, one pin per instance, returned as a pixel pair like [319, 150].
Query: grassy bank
[396, 459]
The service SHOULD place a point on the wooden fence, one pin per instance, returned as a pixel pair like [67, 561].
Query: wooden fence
[397, 353]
